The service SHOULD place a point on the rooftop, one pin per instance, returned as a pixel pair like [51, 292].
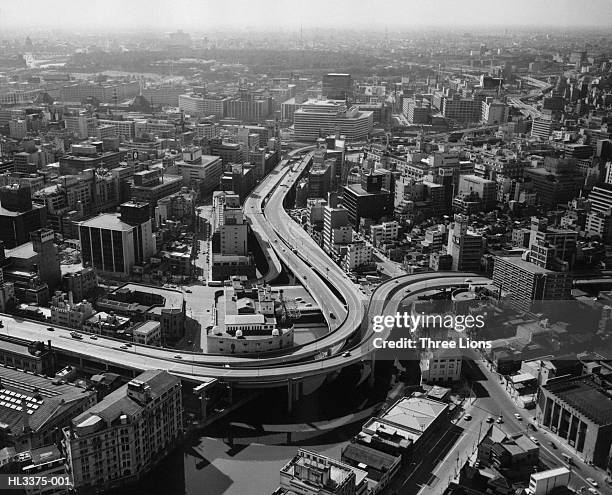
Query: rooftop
[108, 221]
[117, 403]
[585, 396]
[524, 265]
[45, 400]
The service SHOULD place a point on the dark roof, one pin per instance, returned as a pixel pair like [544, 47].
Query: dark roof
[118, 402]
[376, 459]
[584, 395]
[53, 399]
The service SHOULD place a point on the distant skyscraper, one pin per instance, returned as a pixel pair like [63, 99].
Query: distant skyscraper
[337, 86]
[48, 262]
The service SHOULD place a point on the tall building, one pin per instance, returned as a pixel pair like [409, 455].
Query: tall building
[203, 106]
[47, 260]
[319, 118]
[18, 216]
[127, 434]
[367, 200]
[524, 283]
[203, 174]
[116, 243]
[466, 248]
[577, 410]
[336, 228]
[483, 191]
[337, 86]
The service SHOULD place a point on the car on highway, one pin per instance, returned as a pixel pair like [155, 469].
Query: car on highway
[592, 491]
[189, 291]
[124, 347]
[178, 357]
[346, 354]
[332, 315]
[500, 420]
[128, 345]
[552, 444]
[50, 329]
[490, 419]
[518, 416]
[1, 324]
[534, 440]
[467, 417]
[592, 482]
[93, 337]
[76, 335]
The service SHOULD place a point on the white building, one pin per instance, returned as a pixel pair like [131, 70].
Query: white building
[18, 128]
[545, 482]
[65, 313]
[317, 118]
[384, 232]
[204, 173]
[440, 366]
[494, 112]
[149, 333]
[357, 254]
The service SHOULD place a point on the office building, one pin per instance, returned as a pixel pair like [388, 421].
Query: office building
[108, 92]
[494, 112]
[542, 128]
[81, 283]
[203, 106]
[464, 110]
[524, 283]
[384, 233]
[319, 118]
[337, 86]
[367, 200]
[116, 243]
[18, 216]
[576, 409]
[203, 174]
[124, 436]
[465, 247]
[482, 191]
[417, 112]
[48, 261]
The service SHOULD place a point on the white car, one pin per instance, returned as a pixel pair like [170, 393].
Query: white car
[534, 440]
[592, 482]
[518, 416]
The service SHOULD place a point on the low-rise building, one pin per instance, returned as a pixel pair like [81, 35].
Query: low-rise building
[309, 473]
[33, 408]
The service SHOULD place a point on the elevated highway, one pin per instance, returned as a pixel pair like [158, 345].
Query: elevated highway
[385, 300]
[348, 316]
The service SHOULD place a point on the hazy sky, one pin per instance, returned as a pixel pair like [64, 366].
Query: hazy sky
[200, 15]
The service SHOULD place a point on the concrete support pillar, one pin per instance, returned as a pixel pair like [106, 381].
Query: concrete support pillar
[81, 363]
[290, 395]
[203, 406]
